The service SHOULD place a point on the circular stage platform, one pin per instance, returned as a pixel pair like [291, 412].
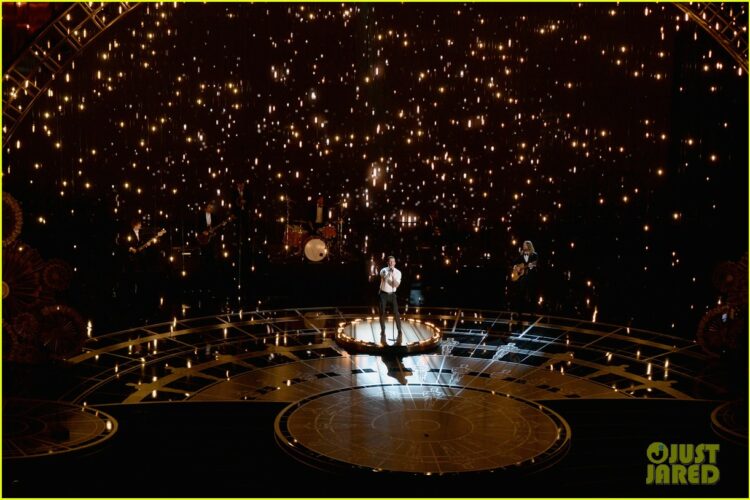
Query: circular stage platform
[363, 335]
[729, 420]
[424, 429]
[43, 428]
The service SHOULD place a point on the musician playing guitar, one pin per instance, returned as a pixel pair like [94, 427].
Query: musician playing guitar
[205, 236]
[139, 280]
[526, 262]
[208, 226]
[213, 273]
[524, 276]
[206, 220]
[135, 245]
[134, 239]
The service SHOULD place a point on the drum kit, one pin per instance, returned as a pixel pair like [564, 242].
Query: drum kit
[302, 239]
[313, 245]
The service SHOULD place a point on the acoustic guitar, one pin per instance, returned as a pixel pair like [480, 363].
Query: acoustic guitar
[204, 237]
[520, 270]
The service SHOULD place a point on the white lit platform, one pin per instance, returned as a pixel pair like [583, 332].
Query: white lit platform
[362, 335]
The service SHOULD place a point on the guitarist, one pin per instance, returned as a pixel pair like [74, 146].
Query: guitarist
[130, 241]
[206, 220]
[138, 278]
[525, 266]
[210, 276]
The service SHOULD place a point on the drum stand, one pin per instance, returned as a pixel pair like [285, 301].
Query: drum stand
[286, 224]
[340, 242]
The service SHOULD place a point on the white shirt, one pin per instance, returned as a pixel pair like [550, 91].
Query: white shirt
[526, 257]
[389, 281]
[208, 219]
[137, 235]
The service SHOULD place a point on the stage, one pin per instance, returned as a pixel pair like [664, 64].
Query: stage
[203, 204]
[532, 403]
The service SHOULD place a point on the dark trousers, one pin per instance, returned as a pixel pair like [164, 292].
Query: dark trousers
[524, 299]
[385, 299]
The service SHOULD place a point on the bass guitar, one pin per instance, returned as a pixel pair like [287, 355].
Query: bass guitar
[204, 237]
[136, 250]
[520, 270]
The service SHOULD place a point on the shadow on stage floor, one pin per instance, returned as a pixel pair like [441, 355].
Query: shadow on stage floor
[229, 450]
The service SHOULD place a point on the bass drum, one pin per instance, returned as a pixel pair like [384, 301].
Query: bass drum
[315, 249]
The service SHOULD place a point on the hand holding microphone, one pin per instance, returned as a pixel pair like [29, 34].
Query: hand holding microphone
[387, 274]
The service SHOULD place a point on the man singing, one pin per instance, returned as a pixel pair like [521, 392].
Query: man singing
[390, 279]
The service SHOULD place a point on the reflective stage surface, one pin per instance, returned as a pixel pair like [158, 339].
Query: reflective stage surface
[263, 391]
[289, 355]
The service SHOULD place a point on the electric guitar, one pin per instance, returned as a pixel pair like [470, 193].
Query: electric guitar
[520, 270]
[204, 237]
[136, 250]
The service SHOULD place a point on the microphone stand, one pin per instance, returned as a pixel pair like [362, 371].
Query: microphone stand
[394, 306]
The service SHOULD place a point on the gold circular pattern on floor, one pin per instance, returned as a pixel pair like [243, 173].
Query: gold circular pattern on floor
[729, 420]
[422, 429]
[287, 355]
[34, 428]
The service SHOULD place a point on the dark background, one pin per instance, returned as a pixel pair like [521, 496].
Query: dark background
[229, 450]
[568, 77]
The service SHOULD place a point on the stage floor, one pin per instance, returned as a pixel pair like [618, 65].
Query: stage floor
[486, 400]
